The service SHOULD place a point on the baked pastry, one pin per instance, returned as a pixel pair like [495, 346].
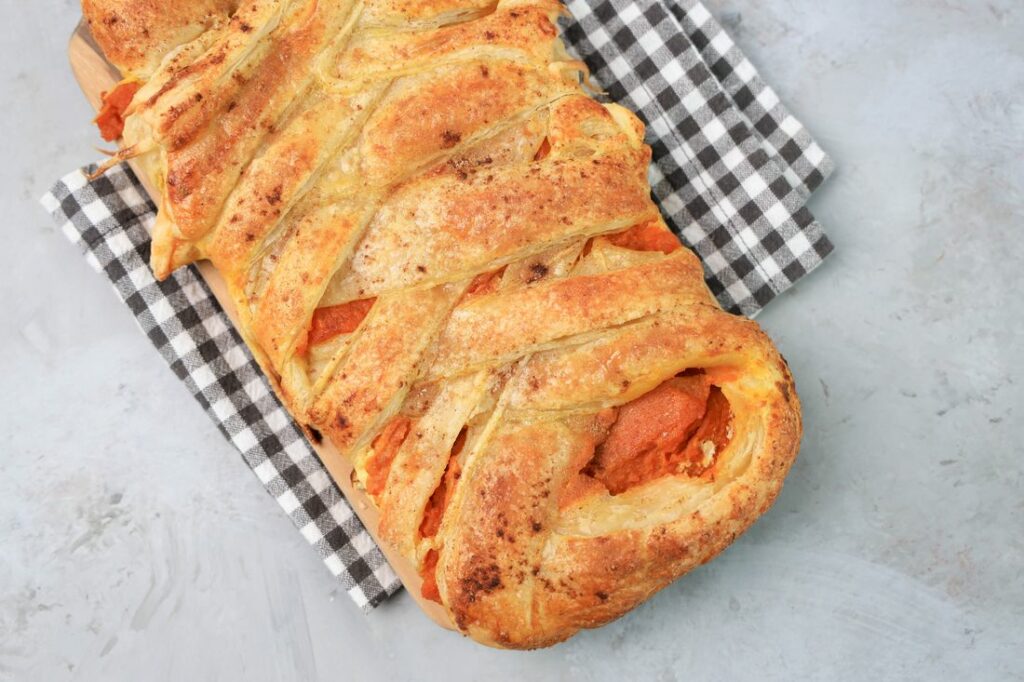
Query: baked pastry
[445, 254]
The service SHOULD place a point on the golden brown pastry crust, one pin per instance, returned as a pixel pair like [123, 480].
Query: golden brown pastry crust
[437, 162]
[136, 34]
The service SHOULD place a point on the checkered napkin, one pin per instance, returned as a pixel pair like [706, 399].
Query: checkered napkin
[733, 169]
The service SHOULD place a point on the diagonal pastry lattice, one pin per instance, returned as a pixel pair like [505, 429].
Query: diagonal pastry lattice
[446, 255]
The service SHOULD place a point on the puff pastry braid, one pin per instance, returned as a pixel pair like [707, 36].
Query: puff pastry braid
[447, 256]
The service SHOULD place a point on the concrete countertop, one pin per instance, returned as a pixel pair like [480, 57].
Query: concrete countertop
[134, 544]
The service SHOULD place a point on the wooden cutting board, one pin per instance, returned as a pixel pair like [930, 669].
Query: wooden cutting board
[96, 75]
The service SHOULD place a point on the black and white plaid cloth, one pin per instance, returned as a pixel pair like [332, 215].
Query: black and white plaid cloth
[732, 171]
[733, 168]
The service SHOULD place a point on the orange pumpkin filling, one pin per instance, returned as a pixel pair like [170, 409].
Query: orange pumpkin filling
[642, 237]
[646, 237]
[676, 429]
[485, 283]
[110, 120]
[433, 514]
[334, 321]
[429, 573]
[385, 447]
[545, 149]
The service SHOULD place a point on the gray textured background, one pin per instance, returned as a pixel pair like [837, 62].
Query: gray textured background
[134, 544]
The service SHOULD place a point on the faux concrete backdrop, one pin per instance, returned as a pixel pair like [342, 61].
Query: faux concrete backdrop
[135, 545]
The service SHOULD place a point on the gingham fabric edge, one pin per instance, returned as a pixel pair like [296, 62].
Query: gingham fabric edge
[107, 219]
[804, 162]
[719, 186]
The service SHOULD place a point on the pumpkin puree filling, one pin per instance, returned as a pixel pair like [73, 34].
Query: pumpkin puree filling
[676, 429]
[335, 320]
[433, 514]
[647, 237]
[110, 119]
[385, 447]
[485, 283]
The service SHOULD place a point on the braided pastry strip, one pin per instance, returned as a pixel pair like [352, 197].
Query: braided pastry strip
[447, 254]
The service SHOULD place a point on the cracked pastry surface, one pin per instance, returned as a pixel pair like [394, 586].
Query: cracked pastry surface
[446, 255]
